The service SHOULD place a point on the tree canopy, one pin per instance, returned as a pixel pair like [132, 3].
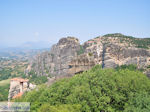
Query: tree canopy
[97, 90]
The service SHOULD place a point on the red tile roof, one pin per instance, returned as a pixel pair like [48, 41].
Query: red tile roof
[20, 79]
[90, 42]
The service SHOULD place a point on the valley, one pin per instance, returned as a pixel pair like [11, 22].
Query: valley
[13, 64]
[109, 68]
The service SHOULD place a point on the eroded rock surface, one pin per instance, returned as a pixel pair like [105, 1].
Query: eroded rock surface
[69, 57]
[55, 62]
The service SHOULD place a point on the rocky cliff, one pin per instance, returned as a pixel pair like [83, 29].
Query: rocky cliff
[55, 62]
[69, 57]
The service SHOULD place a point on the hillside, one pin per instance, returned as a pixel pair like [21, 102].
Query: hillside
[97, 90]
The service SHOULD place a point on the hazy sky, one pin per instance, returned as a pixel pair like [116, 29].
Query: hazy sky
[48, 20]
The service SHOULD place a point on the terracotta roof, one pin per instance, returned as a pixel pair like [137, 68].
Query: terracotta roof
[18, 95]
[90, 41]
[20, 79]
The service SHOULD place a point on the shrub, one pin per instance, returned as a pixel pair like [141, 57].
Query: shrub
[81, 51]
[130, 67]
[38, 79]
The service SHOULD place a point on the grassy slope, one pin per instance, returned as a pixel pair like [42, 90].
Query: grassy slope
[4, 82]
[4, 89]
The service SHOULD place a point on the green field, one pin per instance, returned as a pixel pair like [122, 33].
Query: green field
[4, 82]
[4, 89]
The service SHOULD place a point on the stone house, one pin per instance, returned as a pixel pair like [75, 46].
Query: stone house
[18, 86]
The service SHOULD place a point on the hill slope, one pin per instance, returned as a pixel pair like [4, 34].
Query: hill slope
[97, 90]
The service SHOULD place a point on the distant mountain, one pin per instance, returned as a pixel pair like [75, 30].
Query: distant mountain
[25, 50]
[20, 53]
[36, 45]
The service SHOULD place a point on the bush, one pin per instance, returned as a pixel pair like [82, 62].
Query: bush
[90, 54]
[81, 51]
[38, 79]
[130, 67]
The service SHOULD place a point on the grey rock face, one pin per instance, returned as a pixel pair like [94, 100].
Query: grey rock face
[81, 63]
[117, 55]
[132, 61]
[142, 62]
[56, 61]
[63, 58]
[110, 64]
[148, 73]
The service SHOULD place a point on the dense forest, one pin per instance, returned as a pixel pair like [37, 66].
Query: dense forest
[97, 90]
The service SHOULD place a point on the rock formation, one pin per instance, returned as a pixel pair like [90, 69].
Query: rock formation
[112, 50]
[56, 61]
[81, 63]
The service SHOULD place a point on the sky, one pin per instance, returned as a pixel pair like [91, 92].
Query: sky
[24, 21]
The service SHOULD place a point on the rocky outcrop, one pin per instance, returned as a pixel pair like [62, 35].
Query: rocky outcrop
[81, 63]
[118, 55]
[55, 62]
[69, 57]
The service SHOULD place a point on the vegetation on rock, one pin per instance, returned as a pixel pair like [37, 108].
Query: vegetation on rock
[37, 79]
[81, 51]
[138, 42]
